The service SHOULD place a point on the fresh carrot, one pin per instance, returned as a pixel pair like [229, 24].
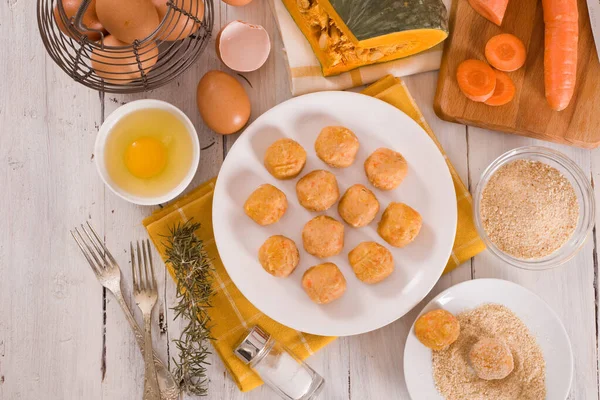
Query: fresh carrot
[505, 52]
[504, 91]
[560, 51]
[492, 10]
[476, 80]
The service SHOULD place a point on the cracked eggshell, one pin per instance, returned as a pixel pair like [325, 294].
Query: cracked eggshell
[243, 47]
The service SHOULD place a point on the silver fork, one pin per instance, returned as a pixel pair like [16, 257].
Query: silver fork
[145, 294]
[108, 273]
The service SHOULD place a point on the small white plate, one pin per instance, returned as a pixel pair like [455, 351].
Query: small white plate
[541, 320]
[428, 188]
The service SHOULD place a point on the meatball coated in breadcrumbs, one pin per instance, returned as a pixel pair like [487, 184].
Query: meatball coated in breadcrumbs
[491, 359]
[279, 256]
[386, 169]
[285, 159]
[371, 262]
[266, 205]
[323, 236]
[337, 146]
[318, 190]
[437, 329]
[358, 206]
[324, 283]
[400, 224]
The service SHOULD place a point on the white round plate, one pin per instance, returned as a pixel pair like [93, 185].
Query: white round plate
[541, 320]
[428, 188]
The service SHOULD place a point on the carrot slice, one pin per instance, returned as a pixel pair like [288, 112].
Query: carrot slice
[560, 51]
[492, 10]
[505, 52]
[476, 80]
[504, 91]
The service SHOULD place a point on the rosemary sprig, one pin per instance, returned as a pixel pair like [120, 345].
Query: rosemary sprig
[193, 272]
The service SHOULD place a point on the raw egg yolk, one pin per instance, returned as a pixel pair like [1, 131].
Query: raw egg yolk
[146, 157]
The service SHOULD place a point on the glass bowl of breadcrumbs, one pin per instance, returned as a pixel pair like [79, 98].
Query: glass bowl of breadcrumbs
[534, 208]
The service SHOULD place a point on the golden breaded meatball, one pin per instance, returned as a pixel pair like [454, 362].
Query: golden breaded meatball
[337, 146]
[399, 225]
[324, 283]
[279, 256]
[323, 236]
[437, 329]
[317, 190]
[371, 262]
[491, 359]
[266, 205]
[386, 169]
[285, 158]
[358, 206]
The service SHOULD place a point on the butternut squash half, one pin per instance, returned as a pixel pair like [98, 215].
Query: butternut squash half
[347, 34]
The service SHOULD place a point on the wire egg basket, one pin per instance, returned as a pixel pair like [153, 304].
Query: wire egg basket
[91, 57]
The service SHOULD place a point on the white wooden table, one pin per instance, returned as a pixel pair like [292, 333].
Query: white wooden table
[62, 337]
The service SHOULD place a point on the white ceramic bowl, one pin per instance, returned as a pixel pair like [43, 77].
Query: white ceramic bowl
[107, 128]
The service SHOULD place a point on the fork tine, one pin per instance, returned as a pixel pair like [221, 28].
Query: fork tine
[101, 242]
[85, 253]
[99, 251]
[147, 275]
[151, 264]
[139, 255]
[135, 287]
[99, 264]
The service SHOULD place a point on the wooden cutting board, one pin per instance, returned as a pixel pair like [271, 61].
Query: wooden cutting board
[528, 114]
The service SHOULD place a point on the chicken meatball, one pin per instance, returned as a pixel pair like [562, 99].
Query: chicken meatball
[324, 283]
[358, 206]
[266, 205]
[491, 359]
[399, 225]
[371, 262]
[437, 329]
[279, 256]
[285, 159]
[337, 146]
[318, 190]
[323, 236]
[386, 169]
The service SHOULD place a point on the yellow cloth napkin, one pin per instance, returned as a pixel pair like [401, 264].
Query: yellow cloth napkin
[305, 69]
[231, 313]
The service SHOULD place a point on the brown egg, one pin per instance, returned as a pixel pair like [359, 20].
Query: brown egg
[128, 20]
[90, 19]
[120, 66]
[179, 26]
[237, 3]
[223, 102]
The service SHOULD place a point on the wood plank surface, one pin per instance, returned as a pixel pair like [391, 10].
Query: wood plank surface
[528, 114]
[61, 337]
